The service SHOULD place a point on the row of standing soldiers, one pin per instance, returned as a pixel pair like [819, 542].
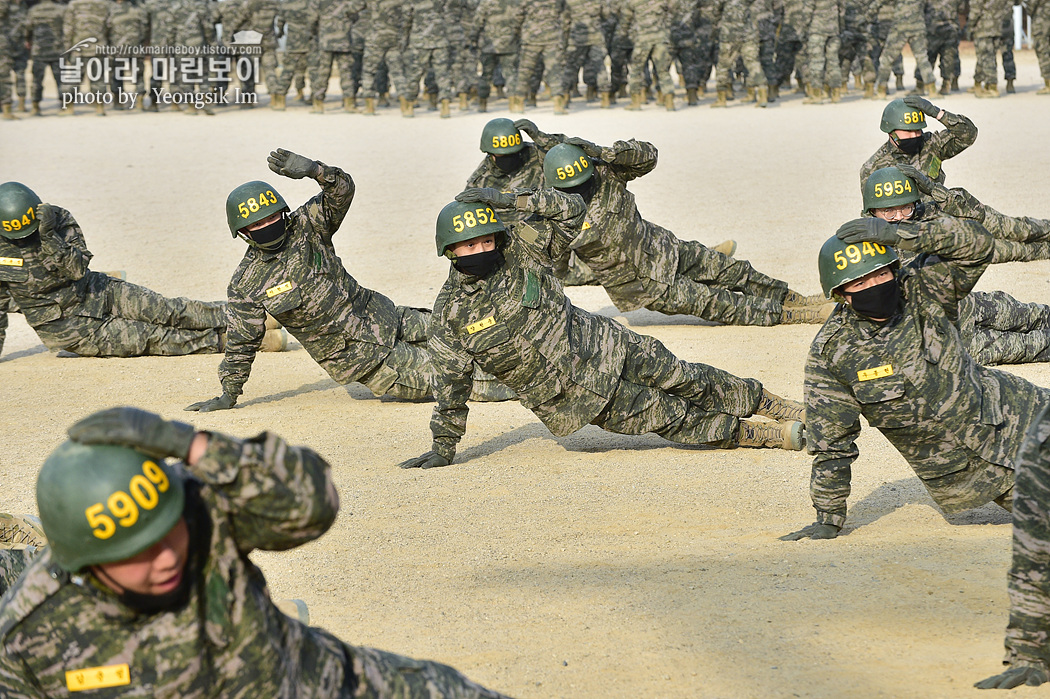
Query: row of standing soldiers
[460, 49]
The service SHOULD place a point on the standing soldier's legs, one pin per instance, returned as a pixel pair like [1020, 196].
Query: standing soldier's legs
[21, 64]
[917, 41]
[322, 74]
[268, 69]
[441, 63]
[986, 70]
[727, 55]
[372, 59]
[508, 68]
[488, 67]
[661, 58]
[347, 82]
[1041, 44]
[414, 64]
[749, 52]
[5, 80]
[37, 90]
[531, 55]
[890, 54]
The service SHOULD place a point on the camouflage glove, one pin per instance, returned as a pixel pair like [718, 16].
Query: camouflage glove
[46, 215]
[922, 181]
[591, 149]
[923, 105]
[813, 531]
[868, 230]
[530, 129]
[138, 429]
[290, 164]
[1014, 677]
[429, 460]
[223, 402]
[487, 195]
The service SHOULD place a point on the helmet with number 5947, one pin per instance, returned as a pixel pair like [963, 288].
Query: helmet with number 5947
[840, 263]
[566, 165]
[101, 503]
[252, 202]
[888, 187]
[18, 210]
[460, 221]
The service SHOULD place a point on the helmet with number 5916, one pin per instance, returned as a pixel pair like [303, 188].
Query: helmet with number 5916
[566, 165]
[101, 503]
[460, 221]
[840, 263]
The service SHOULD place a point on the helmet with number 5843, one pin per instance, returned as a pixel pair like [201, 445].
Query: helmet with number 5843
[888, 187]
[566, 165]
[840, 263]
[252, 202]
[101, 503]
[460, 221]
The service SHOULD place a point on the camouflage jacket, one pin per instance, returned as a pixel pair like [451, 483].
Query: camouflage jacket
[426, 23]
[634, 260]
[43, 30]
[517, 324]
[585, 22]
[909, 14]
[335, 19]
[345, 327]
[958, 135]
[229, 639]
[193, 23]
[940, 12]
[299, 21]
[528, 176]
[737, 20]
[85, 19]
[826, 18]
[254, 15]
[14, 28]
[647, 21]
[543, 22]
[128, 24]
[958, 424]
[161, 26]
[986, 17]
[387, 22]
[497, 26]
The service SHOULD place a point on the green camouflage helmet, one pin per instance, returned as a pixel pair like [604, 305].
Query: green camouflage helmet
[898, 115]
[101, 503]
[566, 166]
[889, 187]
[461, 221]
[501, 137]
[252, 202]
[841, 263]
[18, 210]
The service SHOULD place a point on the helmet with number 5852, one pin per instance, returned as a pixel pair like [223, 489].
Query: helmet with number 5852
[840, 263]
[566, 166]
[460, 221]
[100, 503]
[252, 202]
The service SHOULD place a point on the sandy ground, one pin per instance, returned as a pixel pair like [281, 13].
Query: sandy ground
[595, 565]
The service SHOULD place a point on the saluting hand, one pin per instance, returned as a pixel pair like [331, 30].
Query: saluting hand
[290, 164]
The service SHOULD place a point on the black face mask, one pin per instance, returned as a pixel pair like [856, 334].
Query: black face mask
[919, 212]
[480, 264]
[585, 189]
[30, 241]
[270, 238]
[910, 146]
[509, 163]
[879, 301]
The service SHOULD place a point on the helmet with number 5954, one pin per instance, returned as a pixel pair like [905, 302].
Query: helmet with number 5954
[460, 221]
[252, 202]
[840, 263]
[566, 165]
[101, 503]
[888, 187]
[18, 210]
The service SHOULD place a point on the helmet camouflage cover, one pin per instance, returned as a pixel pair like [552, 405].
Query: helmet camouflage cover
[18, 210]
[888, 187]
[566, 165]
[101, 503]
[898, 115]
[841, 263]
[250, 203]
[460, 221]
[501, 137]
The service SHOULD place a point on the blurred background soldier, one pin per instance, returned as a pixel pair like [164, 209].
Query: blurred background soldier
[738, 38]
[428, 49]
[942, 31]
[43, 29]
[128, 26]
[1040, 10]
[161, 36]
[464, 53]
[909, 27]
[384, 42]
[496, 32]
[884, 12]
[824, 72]
[649, 26]
[855, 51]
[331, 23]
[789, 41]
[587, 51]
[986, 28]
[85, 21]
[259, 16]
[298, 20]
[685, 48]
[14, 28]
[542, 53]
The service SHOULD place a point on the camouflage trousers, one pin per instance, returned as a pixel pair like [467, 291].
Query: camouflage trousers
[6, 66]
[464, 69]
[373, 57]
[659, 53]
[854, 47]
[39, 70]
[999, 329]
[986, 70]
[535, 61]
[943, 44]
[879, 37]
[747, 51]
[721, 289]
[294, 68]
[20, 63]
[592, 60]
[418, 61]
[1041, 39]
[267, 71]
[619, 64]
[767, 49]
[506, 62]
[116, 83]
[822, 61]
[689, 62]
[346, 63]
[899, 36]
[118, 319]
[789, 43]
[1027, 632]
[684, 402]
[1017, 238]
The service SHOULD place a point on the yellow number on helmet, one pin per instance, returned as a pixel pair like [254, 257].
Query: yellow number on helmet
[253, 205]
[143, 492]
[853, 253]
[102, 525]
[156, 474]
[495, 141]
[468, 217]
[123, 507]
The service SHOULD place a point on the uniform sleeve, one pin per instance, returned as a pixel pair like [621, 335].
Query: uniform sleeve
[65, 252]
[279, 496]
[245, 327]
[337, 193]
[16, 680]
[480, 176]
[958, 135]
[453, 372]
[958, 250]
[631, 159]
[832, 427]
[6, 306]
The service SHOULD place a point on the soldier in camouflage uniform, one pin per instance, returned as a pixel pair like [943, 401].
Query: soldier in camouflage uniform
[128, 25]
[193, 25]
[161, 33]
[587, 49]
[18, 56]
[500, 309]
[384, 41]
[789, 41]
[892, 353]
[942, 32]
[332, 22]
[428, 49]
[298, 19]
[904, 121]
[823, 43]
[738, 38]
[170, 603]
[641, 264]
[43, 29]
[909, 27]
[1027, 641]
[1040, 12]
[542, 50]
[986, 29]
[44, 274]
[460, 23]
[85, 20]
[856, 33]
[496, 32]
[260, 16]
[883, 13]
[1009, 65]
[291, 272]
[648, 24]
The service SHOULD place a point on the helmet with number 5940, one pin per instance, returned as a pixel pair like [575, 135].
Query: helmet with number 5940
[460, 221]
[250, 203]
[100, 503]
[840, 263]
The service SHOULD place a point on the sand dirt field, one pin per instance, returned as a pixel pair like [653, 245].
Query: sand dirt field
[591, 566]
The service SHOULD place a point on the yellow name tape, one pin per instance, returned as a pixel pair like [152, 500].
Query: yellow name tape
[11, 261]
[98, 677]
[876, 373]
[279, 289]
[481, 325]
